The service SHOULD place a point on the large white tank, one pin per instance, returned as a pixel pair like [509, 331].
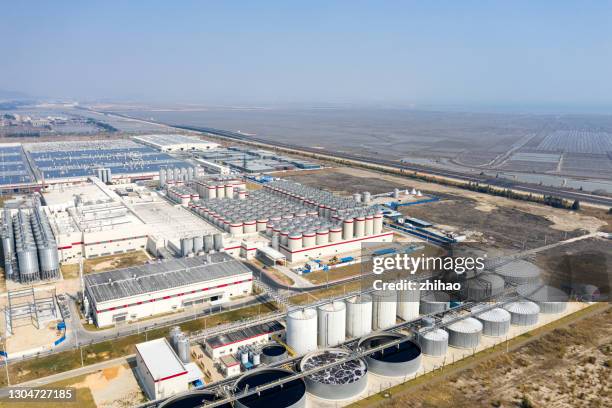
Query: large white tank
[359, 226]
[359, 315]
[220, 191]
[347, 229]
[236, 228]
[309, 239]
[229, 191]
[261, 224]
[332, 324]
[384, 309]
[378, 223]
[302, 330]
[408, 303]
[335, 234]
[322, 236]
[294, 241]
[369, 225]
[211, 192]
[250, 226]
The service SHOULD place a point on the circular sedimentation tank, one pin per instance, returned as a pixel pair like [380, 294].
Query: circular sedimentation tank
[273, 352]
[192, 399]
[434, 342]
[548, 298]
[519, 272]
[465, 333]
[290, 394]
[495, 322]
[523, 313]
[397, 360]
[434, 302]
[342, 381]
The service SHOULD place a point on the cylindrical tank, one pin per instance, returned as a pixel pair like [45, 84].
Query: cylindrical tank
[275, 241]
[229, 191]
[332, 324]
[244, 357]
[49, 262]
[384, 309]
[359, 226]
[548, 298]
[335, 234]
[284, 237]
[348, 228]
[322, 236]
[211, 192]
[220, 191]
[408, 303]
[434, 302]
[434, 342]
[261, 224]
[377, 225]
[176, 174]
[198, 243]
[273, 352]
[465, 333]
[495, 322]
[162, 177]
[369, 225]
[242, 194]
[523, 312]
[302, 330]
[183, 349]
[519, 272]
[359, 315]
[186, 246]
[28, 265]
[291, 394]
[236, 228]
[250, 226]
[175, 333]
[208, 243]
[218, 241]
[367, 197]
[309, 239]
[482, 287]
[190, 173]
[400, 360]
[342, 381]
[357, 197]
[294, 241]
[256, 359]
[396, 193]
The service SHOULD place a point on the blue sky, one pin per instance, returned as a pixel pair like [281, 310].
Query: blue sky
[277, 52]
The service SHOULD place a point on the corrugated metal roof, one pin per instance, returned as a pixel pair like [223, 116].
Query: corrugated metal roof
[137, 280]
[244, 334]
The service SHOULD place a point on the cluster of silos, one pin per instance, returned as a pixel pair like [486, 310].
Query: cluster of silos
[104, 174]
[249, 355]
[175, 175]
[548, 298]
[326, 203]
[519, 272]
[364, 197]
[401, 359]
[344, 380]
[482, 286]
[180, 344]
[219, 188]
[433, 302]
[30, 250]
[495, 320]
[201, 244]
[181, 194]
[465, 333]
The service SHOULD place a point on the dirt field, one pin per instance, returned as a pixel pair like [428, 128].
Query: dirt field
[567, 367]
[106, 263]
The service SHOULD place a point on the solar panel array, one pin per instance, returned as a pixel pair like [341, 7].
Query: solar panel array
[14, 168]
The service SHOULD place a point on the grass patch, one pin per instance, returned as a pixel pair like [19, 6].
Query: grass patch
[321, 276]
[84, 397]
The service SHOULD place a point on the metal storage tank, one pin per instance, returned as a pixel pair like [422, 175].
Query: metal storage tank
[218, 241]
[175, 333]
[523, 312]
[434, 302]
[369, 225]
[275, 241]
[359, 226]
[357, 197]
[399, 360]
[302, 330]
[335, 234]
[284, 237]
[190, 173]
[495, 322]
[309, 239]
[482, 287]
[322, 236]
[208, 243]
[261, 224]
[198, 243]
[273, 352]
[434, 342]
[408, 304]
[331, 324]
[291, 394]
[211, 192]
[49, 262]
[294, 241]
[465, 333]
[396, 193]
[359, 315]
[236, 228]
[162, 177]
[519, 272]
[183, 349]
[342, 381]
[186, 246]
[176, 174]
[377, 223]
[367, 197]
[242, 194]
[229, 191]
[220, 191]
[548, 298]
[384, 309]
[348, 229]
[28, 265]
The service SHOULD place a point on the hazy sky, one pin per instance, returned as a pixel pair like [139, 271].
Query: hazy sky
[224, 52]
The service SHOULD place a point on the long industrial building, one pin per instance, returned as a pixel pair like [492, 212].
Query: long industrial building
[175, 142]
[153, 289]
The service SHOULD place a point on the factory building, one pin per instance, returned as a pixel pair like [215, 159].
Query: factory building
[143, 291]
[228, 343]
[175, 142]
[161, 372]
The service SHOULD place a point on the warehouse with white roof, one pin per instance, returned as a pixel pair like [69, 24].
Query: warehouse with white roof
[143, 291]
[175, 142]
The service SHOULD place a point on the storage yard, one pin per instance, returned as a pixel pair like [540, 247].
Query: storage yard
[213, 241]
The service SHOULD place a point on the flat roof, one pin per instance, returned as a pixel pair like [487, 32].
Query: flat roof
[236, 336]
[138, 280]
[161, 361]
[171, 140]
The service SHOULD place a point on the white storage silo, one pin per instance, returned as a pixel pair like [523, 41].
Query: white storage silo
[357, 197]
[229, 190]
[359, 315]
[236, 228]
[242, 194]
[294, 240]
[347, 229]
[332, 324]
[211, 192]
[309, 239]
[434, 302]
[335, 234]
[408, 303]
[548, 298]
[220, 191]
[378, 223]
[519, 272]
[250, 226]
[495, 322]
[523, 313]
[284, 237]
[261, 224]
[433, 342]
[302, 330]
[384, 309]
[465, 333]
[369, 225]
[359, 226]
[367, 197]
[322, 236]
